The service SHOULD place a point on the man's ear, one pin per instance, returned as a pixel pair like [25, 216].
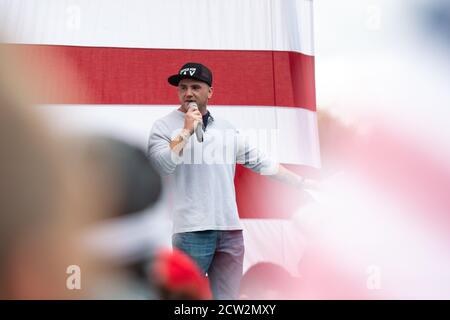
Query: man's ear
[210, 92]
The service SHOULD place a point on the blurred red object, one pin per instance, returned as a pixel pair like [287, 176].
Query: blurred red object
[178, 276]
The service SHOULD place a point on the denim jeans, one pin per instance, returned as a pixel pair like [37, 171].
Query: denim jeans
[220, 254]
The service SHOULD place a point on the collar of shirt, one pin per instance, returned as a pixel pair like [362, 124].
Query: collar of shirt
[206, 117]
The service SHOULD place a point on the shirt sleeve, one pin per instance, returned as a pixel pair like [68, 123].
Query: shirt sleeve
[159, 152]
[251, 157]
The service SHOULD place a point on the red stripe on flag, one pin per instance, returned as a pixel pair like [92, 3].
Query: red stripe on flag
[139, 76]
[259, 196]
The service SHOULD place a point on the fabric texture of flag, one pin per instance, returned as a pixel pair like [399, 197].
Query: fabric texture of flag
[260, 51]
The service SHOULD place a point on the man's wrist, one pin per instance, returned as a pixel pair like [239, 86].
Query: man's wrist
[185, 134]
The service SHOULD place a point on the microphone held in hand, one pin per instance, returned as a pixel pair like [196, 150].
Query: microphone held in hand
[198, 126]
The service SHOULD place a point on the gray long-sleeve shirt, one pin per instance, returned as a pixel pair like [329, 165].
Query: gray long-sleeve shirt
[203, 176]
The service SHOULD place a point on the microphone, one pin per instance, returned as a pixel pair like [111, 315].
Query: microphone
[198, 126]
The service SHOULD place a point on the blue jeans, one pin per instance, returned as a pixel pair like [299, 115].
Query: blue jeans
[220, 254]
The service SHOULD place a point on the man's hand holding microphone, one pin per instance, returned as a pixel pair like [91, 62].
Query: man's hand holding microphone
[193, 121]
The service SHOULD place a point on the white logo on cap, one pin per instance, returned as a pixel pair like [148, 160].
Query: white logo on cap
[186, 70]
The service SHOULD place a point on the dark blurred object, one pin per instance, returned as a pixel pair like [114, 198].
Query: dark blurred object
[178, 277]
[265, 280]
[138, 184]
[435, 16]
[123, 238]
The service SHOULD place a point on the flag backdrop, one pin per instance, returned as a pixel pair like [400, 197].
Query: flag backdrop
[262, 58]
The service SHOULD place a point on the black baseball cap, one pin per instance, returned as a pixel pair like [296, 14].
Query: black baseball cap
[192, 70]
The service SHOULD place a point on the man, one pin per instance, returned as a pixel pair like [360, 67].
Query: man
[205, 217]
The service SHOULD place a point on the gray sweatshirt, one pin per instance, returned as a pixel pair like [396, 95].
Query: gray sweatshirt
[202, 177]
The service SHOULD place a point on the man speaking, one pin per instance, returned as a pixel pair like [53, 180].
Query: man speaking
[205, 218]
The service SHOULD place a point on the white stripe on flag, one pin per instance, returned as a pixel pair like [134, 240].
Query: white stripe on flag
[280, 25]
[133, 123]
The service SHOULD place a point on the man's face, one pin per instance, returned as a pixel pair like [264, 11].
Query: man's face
[190, 90]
